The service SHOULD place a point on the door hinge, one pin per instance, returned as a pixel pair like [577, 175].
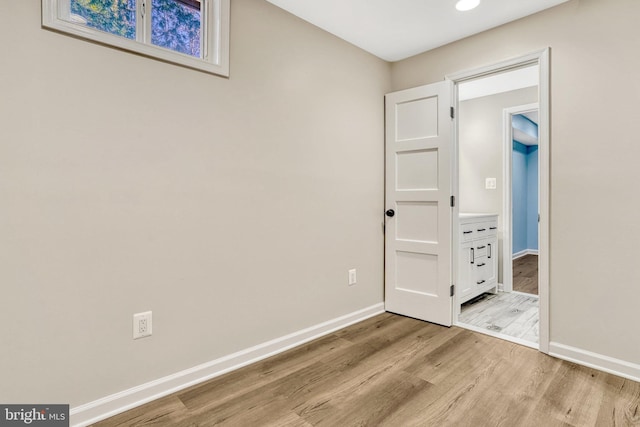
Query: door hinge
[452, 290]
[453, 201]
[452, 112]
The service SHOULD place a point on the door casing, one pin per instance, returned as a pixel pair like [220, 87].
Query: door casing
[507, 199]
[542, 58]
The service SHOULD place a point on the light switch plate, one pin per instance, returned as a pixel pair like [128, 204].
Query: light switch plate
[490, 183]
[352, 277]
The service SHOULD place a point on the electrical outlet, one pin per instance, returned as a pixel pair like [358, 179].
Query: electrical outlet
[142, 325]
[352, 277]
[490, 184]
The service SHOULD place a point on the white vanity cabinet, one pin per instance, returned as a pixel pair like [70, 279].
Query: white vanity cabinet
[477, 256]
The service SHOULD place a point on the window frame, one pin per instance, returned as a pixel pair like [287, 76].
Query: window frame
[215, 35]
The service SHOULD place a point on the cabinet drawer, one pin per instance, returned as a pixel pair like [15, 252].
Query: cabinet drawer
[492, 228]
[480, 249]
[468, 232]
[481, 230]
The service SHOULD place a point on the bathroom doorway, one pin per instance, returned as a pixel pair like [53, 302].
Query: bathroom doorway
[522, 198]
[486, 186]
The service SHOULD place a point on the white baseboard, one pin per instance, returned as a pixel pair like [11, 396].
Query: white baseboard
[597, 361]
[119, 402]
[524, 253]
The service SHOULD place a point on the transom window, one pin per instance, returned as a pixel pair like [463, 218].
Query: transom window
[193, 33]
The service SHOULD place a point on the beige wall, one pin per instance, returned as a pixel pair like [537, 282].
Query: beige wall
[481, 128]
[481, 153]
[594, 159]
[232, 208]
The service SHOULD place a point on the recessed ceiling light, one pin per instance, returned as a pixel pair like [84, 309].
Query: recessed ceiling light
[464, 5]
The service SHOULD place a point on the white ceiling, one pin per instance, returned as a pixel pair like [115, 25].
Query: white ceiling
[396, 29]
[524, 138]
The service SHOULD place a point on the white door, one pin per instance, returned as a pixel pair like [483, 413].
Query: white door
[418, 212]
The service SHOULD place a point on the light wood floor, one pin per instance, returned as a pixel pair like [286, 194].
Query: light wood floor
[396, 371]
[512, 314]
[525, 274]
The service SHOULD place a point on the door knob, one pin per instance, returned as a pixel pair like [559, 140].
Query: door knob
[390, 213]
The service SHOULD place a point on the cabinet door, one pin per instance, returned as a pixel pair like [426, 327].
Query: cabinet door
[492, 260]
[466, 271]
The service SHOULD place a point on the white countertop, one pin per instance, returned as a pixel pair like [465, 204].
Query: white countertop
[476, 215]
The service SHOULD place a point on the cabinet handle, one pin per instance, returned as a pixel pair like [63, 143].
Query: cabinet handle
[473, 256]
[482, 265]
[493, 228]
[489, 254]
[480, 282]
[467, 232]
[482, 229]
[481, 247]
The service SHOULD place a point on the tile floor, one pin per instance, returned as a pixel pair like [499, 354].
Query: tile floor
[513, 314]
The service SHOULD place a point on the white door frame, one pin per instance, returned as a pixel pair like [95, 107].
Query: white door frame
[507, 173]
[540, 57]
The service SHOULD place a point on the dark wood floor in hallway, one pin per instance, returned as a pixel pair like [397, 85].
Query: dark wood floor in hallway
[395, 371]
[525, 274]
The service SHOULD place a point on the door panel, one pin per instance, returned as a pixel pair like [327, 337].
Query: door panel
[417, 170]
[417, 221]
[418, 187]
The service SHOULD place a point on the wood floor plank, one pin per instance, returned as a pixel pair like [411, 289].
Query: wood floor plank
[534, 371]
[525, 274]
[162, 412]
[320, 378]
[573, 395]
[369, 402]
[463, 352]
[481, 394]
[457, 369]
[409, 335]
[375, 361]
[619, 405]
[268, 402]
[396, 371]
[254, 376]
[374, 326]
[290, 419]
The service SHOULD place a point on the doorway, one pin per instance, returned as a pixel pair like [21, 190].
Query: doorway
[484, 184]
[521, 196]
